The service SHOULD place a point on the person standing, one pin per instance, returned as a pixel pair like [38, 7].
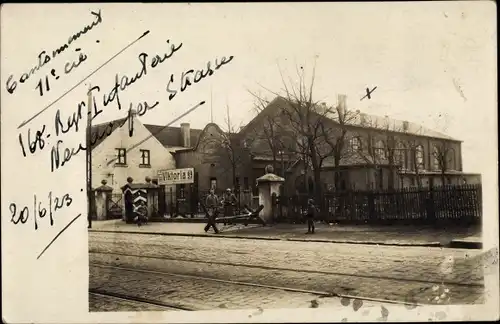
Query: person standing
[311, 215]
[212, 203]
[229, 203]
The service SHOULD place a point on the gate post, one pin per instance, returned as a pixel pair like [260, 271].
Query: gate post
[102, 196]
[268, 184]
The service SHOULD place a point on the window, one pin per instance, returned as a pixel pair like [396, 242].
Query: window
[355, 144]
[145, 155]
[436, 157]
[245, 183]
[451, 159]
[419, 156]
[121, 156]
[213, 183]
[380, 150]
[400, 155]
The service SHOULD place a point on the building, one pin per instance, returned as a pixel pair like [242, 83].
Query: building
[156, 148]
[116, 155]
[377, 152]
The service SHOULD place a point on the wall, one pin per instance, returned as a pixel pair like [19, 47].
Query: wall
[160, 158]
[210, 161]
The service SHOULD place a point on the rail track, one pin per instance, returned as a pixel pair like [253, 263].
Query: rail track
[318, 294]
[305, 271]
[138, 300]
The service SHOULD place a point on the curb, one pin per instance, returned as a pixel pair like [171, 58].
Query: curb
[429, 244]
[459, 244]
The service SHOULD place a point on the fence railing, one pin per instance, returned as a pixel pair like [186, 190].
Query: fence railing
[413, 205]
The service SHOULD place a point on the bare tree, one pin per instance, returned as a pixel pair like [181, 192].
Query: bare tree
[443, 155]
[384, 148]
[415, 154]
[319, 129]
[270, 132]
[227, 149]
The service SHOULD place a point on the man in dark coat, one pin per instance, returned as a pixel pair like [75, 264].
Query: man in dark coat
[212, 204]
[311, 213]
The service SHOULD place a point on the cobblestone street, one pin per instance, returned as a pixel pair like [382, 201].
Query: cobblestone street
[194, 273]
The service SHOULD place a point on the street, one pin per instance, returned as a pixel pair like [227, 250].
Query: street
[130, 272]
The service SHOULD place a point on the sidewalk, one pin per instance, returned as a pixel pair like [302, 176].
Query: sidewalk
[353, 234]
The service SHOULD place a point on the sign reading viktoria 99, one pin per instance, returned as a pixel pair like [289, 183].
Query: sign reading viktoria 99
[176, 176]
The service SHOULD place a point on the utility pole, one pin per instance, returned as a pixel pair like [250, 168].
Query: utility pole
[89, 157]
[211, 108]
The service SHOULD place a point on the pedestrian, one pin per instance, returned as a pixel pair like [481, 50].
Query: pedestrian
[311, 213]
[229, 202]
[212, 204]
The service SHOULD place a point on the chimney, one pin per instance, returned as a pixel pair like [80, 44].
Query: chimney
[405, 126]
[362, 118]
[342, 101]
[186, 135]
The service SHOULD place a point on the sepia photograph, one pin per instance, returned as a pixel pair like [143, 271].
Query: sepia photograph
[214, 158]
[289, 192]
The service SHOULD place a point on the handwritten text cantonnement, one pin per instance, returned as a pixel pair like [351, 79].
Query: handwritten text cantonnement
[44, 58]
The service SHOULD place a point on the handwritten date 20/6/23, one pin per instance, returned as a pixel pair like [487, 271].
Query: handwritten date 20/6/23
[21, 214]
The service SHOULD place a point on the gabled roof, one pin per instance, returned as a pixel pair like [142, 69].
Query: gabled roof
[97, 131]
[172, 136]
[167, 136]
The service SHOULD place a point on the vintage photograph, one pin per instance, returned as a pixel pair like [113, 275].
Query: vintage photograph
[328, 161]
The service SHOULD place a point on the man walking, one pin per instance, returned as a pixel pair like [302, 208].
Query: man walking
[311, 213]
[212, 203]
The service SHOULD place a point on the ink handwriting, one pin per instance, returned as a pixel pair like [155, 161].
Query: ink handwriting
[123, 82]
[37, 143]
[21, 214]
[185, 81]
[60, 156]
[44, 58]
[43, 84]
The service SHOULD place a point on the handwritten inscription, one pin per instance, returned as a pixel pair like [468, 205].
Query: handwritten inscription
[185, 79]
[66, 120]
[61, 155]
[21, 215]
[44, 58]
[58, 159]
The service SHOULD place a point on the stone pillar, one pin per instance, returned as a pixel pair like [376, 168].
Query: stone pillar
[268, 184]
[102, 196]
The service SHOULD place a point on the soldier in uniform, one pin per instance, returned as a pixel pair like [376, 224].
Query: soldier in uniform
[212, 203]
[229, 202]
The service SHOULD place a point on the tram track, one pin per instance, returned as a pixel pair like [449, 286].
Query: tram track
[305, 271]
[318, 294]
[138, 300]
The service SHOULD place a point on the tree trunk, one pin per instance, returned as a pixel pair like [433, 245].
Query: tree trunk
[318, 197]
